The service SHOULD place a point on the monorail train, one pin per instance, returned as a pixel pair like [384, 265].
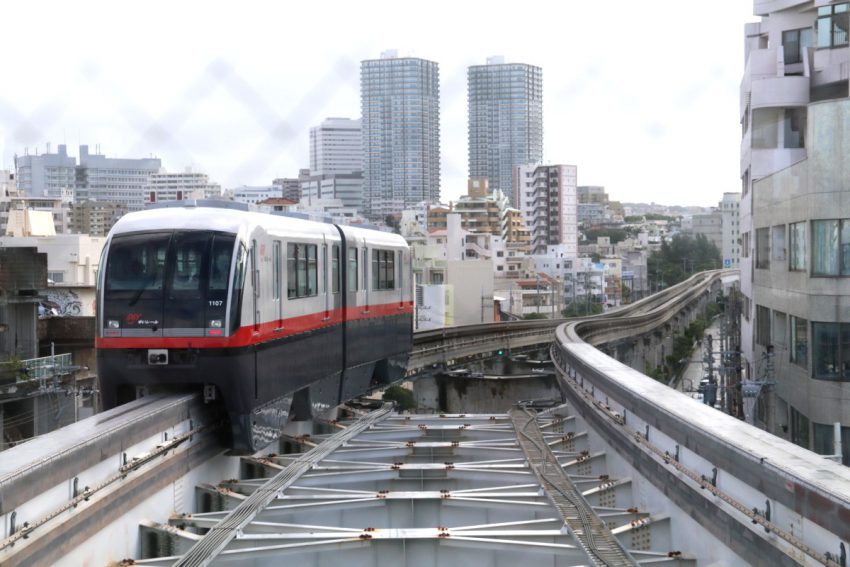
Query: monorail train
[277, 317]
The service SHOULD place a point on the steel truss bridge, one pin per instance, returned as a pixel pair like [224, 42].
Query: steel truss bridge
[625, 472]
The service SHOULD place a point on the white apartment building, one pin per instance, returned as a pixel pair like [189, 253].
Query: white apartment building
[254, 194]
[46, 175]
[729, 208]
[546, 195]
[117, 180]
[165, 186]
[336, 146]
[795, 219]
[72, 263]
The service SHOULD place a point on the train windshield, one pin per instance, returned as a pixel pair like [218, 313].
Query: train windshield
[169, 280]
[136, 265]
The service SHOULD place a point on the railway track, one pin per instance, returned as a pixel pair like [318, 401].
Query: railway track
[60, 489]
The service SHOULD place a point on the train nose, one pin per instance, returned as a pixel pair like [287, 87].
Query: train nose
[158, 356]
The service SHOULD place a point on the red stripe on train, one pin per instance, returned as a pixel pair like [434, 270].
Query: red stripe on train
[263, 332]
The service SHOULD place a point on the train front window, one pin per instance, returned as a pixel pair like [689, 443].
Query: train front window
[136, 265]
[186, 264]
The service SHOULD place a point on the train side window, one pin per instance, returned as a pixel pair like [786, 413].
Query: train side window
[352, 269]
[383, 269]
[365, 264]
[302, 270]
[312, 270]
[291, 271]
[335, 269]
[278, 275]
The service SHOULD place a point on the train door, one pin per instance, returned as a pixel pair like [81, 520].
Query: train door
[277, 283]
[324, 288]
[255, 283]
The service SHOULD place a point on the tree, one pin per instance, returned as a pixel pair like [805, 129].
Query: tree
[581, 309]
[401, 396]
[680, 257]
[534, 316]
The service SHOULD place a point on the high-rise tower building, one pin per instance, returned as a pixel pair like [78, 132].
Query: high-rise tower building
[400, 101]
[795, 221]
[505, 120]
[336, 147]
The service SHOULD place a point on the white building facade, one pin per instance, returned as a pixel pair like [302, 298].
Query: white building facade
[336, 146]
[546, 195]
[729, 208]
[165, 186]
[795, 219]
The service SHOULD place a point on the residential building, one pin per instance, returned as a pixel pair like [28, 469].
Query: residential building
[729, 208]
[277, 205]
[493, 215]
[400, 100]
[709, 225]
[589, 194]
[546, 195]
[795, 221]
[46, 175]
[451, 289]
[59, 208]
[95, 218]
[505, 120]
[253, 194]
[115, 180]
[291, 186]
[336, 146]
[164, 186]
[346, 187]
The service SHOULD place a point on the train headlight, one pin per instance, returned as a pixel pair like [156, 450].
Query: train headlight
[112, 324]
[215, 323]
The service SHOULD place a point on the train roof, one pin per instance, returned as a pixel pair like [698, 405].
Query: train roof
[235, 219]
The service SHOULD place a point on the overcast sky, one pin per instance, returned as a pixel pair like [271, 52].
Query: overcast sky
[641, 96]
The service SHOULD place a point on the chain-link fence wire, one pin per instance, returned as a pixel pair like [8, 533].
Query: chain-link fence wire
[269, 129]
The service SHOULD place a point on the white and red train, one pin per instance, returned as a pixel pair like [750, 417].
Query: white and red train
[281, 316]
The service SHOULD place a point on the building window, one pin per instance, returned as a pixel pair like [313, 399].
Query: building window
[763, 248]
[797, 246]
[56, 277]
[831, 355]
[799, 428]
[793, 44]
[794, 126]
[832, 25]
[436, 278]
[745, 242]
[800, 342]
[831, 247]
[762, 325]
[777, 244]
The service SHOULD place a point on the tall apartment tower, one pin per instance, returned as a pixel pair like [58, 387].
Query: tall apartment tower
[546, 195]
[336, 147]
[505, 120]
[795, 220]
[46, 175]
[400, 102]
